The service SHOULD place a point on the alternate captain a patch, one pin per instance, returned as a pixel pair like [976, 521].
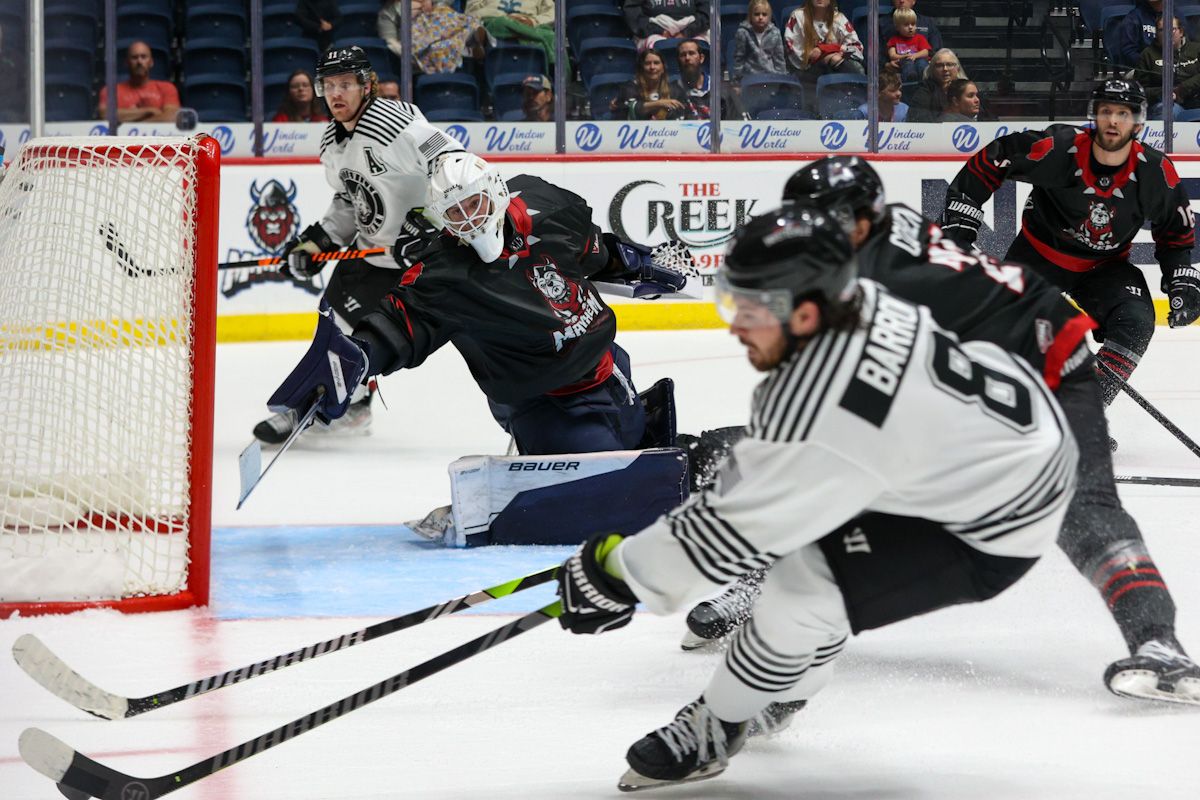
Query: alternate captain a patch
[881, 366]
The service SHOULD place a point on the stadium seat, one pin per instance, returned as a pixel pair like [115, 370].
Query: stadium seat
[512, 115]
[213, 22]
[452, 94]
[68, 62]
[780, 94]
[731, 17]
[68, 102]
[1190, 14]
[839, 96]
[859, 21]
[592, 21]
[1188, 115]
[214, 58]
[278, 7]
[785, 11]
[358, 20]
[1089, 12]
[514, 59]
[607, 56]
[601, 92]
[1110, 19]
[282, 24]
[216, 99]
[377, 52]
[151, 24]
[455, 115]
[161, 71]
[508, 95]
[72, 27]
[285, 55]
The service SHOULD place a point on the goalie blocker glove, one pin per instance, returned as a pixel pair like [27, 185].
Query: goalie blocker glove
[334, 364]
[312, 240]
[1183, 291]
[962, 219]
[593, 599]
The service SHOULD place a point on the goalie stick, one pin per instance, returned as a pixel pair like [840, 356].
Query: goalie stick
[329, 255]
[79, 776]
[53, 674]
[250, 469]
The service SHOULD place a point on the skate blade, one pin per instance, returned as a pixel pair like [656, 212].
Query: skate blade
[634, 781]
[1143, 685]
[691, 642]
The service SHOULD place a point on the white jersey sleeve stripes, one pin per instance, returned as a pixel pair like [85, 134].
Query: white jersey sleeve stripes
[896, 422]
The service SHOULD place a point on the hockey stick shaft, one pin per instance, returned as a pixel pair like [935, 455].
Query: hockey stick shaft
[64, 765]
[329, 255]
[41, 664]
[1152, 480]
[1159, 417]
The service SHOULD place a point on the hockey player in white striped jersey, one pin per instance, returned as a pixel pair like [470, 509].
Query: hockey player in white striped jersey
[376, 154]
[888, 470]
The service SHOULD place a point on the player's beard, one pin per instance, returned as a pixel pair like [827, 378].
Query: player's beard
[1101, 141]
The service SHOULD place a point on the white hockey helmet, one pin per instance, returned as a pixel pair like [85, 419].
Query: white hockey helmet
[468, 198]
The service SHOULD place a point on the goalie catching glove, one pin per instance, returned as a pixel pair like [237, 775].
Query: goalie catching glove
[651, 271]
[300, 252]
[593, 599]
[417, 233]
[1183, 291]
[334, 364]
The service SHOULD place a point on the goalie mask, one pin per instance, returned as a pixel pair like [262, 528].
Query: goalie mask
[468, 198]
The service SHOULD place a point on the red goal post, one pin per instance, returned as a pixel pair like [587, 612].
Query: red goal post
[108, 292]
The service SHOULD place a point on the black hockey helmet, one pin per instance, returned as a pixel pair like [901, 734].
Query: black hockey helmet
[845, 186]
[782, 257]
[339, 61]
[1121, 91]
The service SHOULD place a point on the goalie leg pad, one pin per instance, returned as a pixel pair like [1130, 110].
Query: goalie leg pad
[563, 499]
[659, 402]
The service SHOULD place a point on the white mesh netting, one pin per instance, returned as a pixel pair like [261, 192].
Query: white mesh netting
[96, 295]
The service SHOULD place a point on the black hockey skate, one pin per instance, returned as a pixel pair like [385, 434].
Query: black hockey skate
[694, 747]
[712, 620]
[1159, 670]
[774, 718]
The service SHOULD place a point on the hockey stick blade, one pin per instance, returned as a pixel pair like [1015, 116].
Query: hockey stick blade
[52, 673]
[250, 459]
[1153, 480]
[64, 765]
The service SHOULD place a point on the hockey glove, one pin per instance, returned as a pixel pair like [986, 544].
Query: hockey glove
[300, 251]
[334, 364]
[593, 600]
[417, 233]
[651, 271]
[961, 220]
[1183, 290]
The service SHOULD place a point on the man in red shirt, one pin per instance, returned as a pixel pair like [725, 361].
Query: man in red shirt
[141, 99]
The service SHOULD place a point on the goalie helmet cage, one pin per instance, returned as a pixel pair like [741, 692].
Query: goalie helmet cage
[108, 290]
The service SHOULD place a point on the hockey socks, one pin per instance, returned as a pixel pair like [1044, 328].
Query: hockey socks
[1136, 594]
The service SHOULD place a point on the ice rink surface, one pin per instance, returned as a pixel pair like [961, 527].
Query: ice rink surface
[997, 701]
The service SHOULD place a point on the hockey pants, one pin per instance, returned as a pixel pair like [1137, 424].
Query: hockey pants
[354, 290]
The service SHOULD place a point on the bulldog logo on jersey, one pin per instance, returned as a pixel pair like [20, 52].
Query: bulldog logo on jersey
[273, 219]
[576, 307]
[1096, 231]
[369, 208]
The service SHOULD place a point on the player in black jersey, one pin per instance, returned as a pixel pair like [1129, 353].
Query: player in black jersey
[1092, 191]
[982, 299]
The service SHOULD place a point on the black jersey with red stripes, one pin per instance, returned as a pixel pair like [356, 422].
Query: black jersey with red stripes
[528, 324]
[974, 295]
[1076, 218]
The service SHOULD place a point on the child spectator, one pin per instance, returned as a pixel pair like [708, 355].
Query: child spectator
[441, 36]
[301, 103]
[1187, 71]
[928, 102]
[654, 20]
[1136, 32]
[962, 101]
[319, 20]
[925, 25]
[907, 50]
[758, 44]
[821, 40]
[891, 107]
[648, 95]
[524, 21]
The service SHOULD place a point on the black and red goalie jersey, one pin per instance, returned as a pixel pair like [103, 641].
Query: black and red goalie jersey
[974, 295]
[1076, 218]
[528, 324]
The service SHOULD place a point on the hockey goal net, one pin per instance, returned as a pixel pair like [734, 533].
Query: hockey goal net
[107, 348]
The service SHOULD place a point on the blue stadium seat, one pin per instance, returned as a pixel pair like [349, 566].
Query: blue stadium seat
[859, 21]
[284, 55]
[151, 24]
[14, 24]
[1110, 19]
[607, 56]
[161, 71]
[1089, 11]
[68, 62]
[593, 21]
[512, 115]
[358, 20]
[455, 115]
[72, 26]
[1188, 115]
[282, 24]
[216, 99]
[772, 93]
[602, 91]
[452, 94]
[1190, 14]
[731, 17]
[784, 11]
[68, 102]
[217, 22]
[508, 95]
[377, 52]
[278, 6]
[514, 59]
[214, 58]
[839, 96]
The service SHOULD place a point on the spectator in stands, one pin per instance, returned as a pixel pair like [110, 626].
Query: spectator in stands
[1187, 71]
[907, 50]
[925, 25]
[758, 44]
[441, 36]
[694, 87]
[525, 21]
[928, 101]
[821, 40]
[537, 99]
[1136, 32]
[389, 90]
[654, 20]
[141, 98]
[648, 95]
[319, 19]
[962, 101]
[891, 107]
[301, 103]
